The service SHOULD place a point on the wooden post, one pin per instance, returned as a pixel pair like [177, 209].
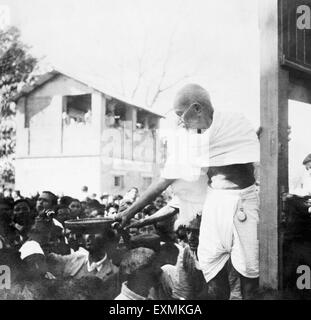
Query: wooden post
[64, 109]
[102, 120]
[97, 114]
[134, 121]
[102, 128]
[274, 145]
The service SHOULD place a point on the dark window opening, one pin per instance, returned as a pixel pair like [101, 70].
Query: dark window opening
[119, 181]
[77, 109]
[115, 114]
[142, 120]
[145, 120]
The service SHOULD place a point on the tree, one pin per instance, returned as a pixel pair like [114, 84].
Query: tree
[17, 68]
[151, 75]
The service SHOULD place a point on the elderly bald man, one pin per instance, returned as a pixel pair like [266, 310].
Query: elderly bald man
[223, 157]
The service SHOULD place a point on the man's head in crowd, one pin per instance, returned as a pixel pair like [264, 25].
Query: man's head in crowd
[22, 214]
[132, 194]
[117, 199]
[83, 208]
[46, 201]
[141, 268]
[104, 198]
[112, 209]
[181, 234]
[101, 243]
[193, 232]
[62, 213]
[168, 254]
[64, 201]
[159, 202]
[193, 107]
[75, 208]
[92, 208]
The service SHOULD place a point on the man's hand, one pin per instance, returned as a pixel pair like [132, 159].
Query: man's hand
[149, 195]
[123, 218]
[136, 224]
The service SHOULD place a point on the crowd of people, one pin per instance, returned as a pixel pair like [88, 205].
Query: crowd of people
[143, 261]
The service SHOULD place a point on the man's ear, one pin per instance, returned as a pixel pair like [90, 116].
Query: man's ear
[197, 107]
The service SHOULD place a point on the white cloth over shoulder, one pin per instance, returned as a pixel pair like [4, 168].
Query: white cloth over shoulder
[231, 139]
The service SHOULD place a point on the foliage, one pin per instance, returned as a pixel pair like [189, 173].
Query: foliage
[16, 70]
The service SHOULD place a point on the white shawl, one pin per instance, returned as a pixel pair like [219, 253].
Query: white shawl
[231, 139]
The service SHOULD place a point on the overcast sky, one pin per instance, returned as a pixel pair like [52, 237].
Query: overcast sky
[215, 42]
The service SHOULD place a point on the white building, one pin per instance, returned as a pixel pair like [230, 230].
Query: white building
[70, 133]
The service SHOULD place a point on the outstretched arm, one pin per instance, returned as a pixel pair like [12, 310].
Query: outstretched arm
[160, 215]
[150, 194]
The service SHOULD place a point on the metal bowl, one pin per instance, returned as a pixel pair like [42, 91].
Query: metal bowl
[89, 225]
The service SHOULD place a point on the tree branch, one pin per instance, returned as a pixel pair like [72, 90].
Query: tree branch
[141, 71]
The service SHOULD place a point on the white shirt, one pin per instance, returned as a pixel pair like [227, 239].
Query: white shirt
[127, 294]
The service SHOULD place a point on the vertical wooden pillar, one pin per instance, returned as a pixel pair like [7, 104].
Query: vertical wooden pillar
[134, 121]
[98, 112]
[102, 119]
[274, 144]
[64, 109]
[102, 128]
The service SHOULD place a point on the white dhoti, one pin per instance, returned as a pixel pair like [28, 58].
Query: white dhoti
[224, 232]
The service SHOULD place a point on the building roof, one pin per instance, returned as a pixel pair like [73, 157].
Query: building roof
[90, 81]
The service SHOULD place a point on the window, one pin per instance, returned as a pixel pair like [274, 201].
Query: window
[115, 114]
[142, 119]
[77, 109]
[119, 181]
[147, 182]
